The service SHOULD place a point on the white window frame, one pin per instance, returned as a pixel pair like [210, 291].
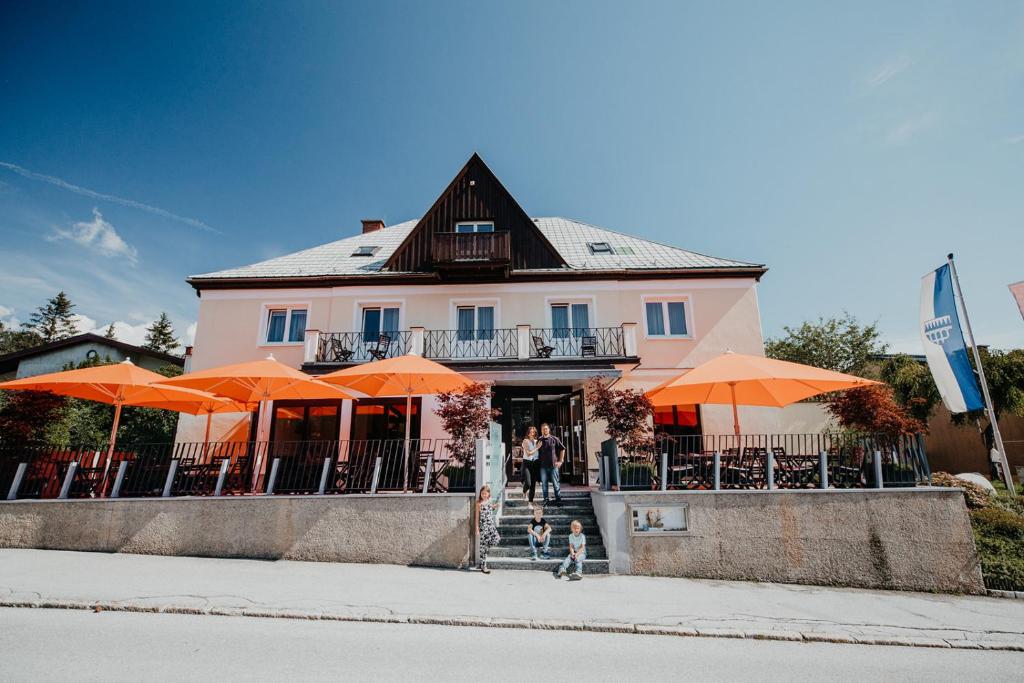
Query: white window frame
[590, 301]
[455, 304]
[264, 325]
[357, 312]
[665, 299]
[476, 225]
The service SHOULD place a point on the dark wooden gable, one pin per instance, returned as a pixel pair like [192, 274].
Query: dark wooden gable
[476, 194]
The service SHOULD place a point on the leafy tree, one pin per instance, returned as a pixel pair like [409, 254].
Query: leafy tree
[31, 415]
[160, 336]
[840, 344]
[872, 410]
[466, 415]
[12, 341]
[150, 425]
[627, 412]
[110, 334]
[912, 385]
[54, 321]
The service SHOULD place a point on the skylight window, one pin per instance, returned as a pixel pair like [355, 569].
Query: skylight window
[600, 248]
[366, 251]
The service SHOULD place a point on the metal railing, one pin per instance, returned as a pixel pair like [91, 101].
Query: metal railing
[233, 468]
[499, 344]
[355, 347]
[773, 461]
[576, 342]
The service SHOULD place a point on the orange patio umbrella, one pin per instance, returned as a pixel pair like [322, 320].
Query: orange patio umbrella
[203, 403]
[738, 379]
[119, 384]
[409, 375]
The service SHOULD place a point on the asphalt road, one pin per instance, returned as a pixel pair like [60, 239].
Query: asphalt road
[48, 644]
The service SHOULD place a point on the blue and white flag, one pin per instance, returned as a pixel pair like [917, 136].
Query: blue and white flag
[944, 345]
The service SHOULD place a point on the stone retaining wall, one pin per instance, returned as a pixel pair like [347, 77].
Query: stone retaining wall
[907, 539]
[431, 530]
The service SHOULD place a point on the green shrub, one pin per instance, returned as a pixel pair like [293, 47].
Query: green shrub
[999, 536]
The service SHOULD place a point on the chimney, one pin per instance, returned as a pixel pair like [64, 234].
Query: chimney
[372, 225]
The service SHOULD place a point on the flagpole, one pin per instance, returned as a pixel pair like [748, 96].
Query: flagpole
[1007, 477]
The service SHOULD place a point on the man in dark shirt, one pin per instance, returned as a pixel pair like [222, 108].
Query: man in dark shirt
[552, 452]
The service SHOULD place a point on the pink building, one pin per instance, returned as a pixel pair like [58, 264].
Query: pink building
[537, 306]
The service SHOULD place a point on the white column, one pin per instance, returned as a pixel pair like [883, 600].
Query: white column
[629, 339]
[524, 343]
[417, 340]
[312, 345]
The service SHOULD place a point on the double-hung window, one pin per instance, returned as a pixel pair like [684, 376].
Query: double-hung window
[286, 325]
[570, 320]
[666, 318]
[474, 322]
[474, 226]
[378, 320]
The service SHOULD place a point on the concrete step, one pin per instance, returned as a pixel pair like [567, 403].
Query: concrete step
[517, 494]
[523, 551]
[589, 566]
[517, 508]
[517, 537]
[559, 531]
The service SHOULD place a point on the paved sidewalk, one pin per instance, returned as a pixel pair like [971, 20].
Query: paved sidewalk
[389, 593]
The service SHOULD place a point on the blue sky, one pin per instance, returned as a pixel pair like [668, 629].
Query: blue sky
[847, 147]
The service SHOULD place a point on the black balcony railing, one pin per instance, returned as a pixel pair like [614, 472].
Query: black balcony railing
[358, 347]
[471, 344]
[575, 342]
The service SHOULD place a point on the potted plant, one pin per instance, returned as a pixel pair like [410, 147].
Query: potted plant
[628, 416]
[466, 415]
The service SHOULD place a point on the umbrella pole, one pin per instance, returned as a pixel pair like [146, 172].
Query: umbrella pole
[735, 412]
[408, 428]
[113, 432]
[206, 439]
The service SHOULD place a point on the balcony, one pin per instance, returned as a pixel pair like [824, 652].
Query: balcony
[471, 250]
[522, 343]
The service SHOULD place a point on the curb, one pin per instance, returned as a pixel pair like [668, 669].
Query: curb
[500, 622]
[1010, 595]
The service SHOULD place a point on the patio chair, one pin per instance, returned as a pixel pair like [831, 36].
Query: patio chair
[588, 346]
[542, 349]
[339, 352]
[381, 350]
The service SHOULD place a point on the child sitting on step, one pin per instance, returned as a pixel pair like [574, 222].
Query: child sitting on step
[577, 552]
[539, 532]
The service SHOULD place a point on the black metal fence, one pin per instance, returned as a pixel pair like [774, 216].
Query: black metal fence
[484, 344]
[762, 461]
[573, 342]
[356, 347]
[233, 468]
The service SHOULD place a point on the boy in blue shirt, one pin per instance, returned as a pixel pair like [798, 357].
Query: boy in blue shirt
[577, 552]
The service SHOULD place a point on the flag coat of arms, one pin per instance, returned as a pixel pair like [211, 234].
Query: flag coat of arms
[944, 345]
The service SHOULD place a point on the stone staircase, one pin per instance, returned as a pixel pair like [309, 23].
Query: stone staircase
[514, 550]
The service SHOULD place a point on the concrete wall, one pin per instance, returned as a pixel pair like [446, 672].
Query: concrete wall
[431, 530]
[910, 539]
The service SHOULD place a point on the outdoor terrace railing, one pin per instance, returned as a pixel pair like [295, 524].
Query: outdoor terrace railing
[773, 461]
[233, 468]
[356, 347]
[478, 247]
[500, 344]
[566, 342]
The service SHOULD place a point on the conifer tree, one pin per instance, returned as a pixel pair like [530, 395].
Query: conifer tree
[54, 321]
[160, 336]
[109, 334]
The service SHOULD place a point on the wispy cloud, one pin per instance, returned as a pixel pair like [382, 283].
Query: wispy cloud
[888, 71]
[97, 235]
[58, 182]
[910, 128]
[1014, 139]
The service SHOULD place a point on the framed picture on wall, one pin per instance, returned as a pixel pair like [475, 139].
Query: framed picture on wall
[658, 520]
